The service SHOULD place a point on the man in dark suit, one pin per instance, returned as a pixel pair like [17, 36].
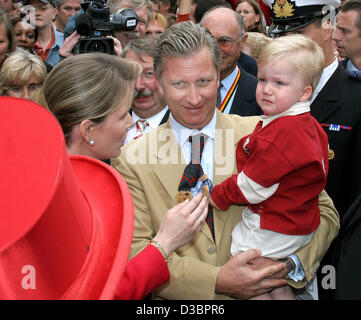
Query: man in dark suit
[348, 37]
[336, 104]
[149, 109]
[238, 87]
[348, 258]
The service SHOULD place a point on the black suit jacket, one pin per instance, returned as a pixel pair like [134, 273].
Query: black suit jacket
[248, 63]
[339, 102]
[244, 102]
[344, 64]
[348, 257]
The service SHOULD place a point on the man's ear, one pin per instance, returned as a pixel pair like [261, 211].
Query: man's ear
[54, 14]
[306, 94]
[86, 128]
[244, 40]
[327, 30]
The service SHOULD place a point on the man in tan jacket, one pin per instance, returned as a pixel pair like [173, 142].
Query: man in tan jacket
[187, 64]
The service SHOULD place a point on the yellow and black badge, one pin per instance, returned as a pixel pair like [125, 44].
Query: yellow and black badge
[283, 8]
[331, 154]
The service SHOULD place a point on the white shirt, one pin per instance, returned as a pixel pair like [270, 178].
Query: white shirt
[296, 109]
[182, 134]
[326, 75]
[153, 121]
[226, 86]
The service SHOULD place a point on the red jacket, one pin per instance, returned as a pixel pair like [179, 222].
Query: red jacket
[291, 151]
[145, 272]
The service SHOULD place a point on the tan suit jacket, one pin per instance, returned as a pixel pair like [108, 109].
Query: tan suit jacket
[153, 166]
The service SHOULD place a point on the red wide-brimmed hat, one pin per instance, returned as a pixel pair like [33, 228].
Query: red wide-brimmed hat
[66, 222]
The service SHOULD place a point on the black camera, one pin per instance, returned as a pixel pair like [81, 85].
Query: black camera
[96, 23]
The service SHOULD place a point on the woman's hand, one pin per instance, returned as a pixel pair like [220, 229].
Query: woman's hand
[182, 223]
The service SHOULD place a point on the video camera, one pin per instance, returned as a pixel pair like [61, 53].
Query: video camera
[96, 23]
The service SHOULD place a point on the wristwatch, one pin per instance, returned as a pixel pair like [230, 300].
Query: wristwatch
[289, 264]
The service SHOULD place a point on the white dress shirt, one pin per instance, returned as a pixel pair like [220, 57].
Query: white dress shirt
[182, 134]
[153, 121]
[326, 75]
[226, 86]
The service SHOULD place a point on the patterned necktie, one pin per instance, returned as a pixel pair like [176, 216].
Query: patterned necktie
[193, 171]
[219, 96]
[141, 125]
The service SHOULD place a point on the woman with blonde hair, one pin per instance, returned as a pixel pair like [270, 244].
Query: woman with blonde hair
[90, 94]
[157, 24]
[21, 75]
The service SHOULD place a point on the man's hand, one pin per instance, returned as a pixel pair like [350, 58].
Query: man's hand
[117, 46]
[262, 262]
[237, 278]
[69, 44]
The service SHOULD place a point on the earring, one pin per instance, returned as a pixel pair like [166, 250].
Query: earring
[91, 142]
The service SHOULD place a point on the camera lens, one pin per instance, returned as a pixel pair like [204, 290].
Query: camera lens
[95, 44]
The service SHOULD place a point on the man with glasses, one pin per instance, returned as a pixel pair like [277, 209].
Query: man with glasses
[238, 87]
[149, 108]
[142, 8]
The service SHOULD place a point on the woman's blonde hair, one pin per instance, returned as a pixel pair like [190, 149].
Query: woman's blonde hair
[87, 86]
[156, 16]
[300, 51]
[18, 68]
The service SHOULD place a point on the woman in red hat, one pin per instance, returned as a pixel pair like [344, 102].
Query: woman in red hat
[90, 95]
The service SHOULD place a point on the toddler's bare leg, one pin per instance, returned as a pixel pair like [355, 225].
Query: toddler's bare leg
[265, 296]
[284, 293]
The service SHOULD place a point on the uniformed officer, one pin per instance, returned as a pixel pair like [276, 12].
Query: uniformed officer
[336, 102]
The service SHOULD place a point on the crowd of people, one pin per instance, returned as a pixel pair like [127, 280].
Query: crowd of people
[250, 109]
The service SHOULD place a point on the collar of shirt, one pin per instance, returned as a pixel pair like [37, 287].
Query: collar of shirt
[43, 54]
[153, 121]
[296, 109]
[350, 66]
[326, 75]
[182, 133]
[59, 38]
[226, 86]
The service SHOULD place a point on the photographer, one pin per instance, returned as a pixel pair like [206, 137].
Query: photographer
[143, 10]
[95, 27]
[69, 43]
